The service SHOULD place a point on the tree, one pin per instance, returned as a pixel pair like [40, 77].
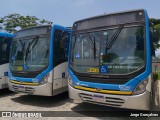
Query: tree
[154, 21]
[157, 35]
[13, 22]
[155, 28]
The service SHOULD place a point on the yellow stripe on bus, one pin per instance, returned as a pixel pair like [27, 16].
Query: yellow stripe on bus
[103, 91]
[24, 83]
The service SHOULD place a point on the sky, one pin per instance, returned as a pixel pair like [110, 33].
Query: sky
[66, 12]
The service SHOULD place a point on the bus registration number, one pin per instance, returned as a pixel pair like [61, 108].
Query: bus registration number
[98, 98]
[19, 68]
[93, 70]
[21, 88]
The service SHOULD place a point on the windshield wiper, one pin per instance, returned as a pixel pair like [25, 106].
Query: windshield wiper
[94, 48]
[28, 50]
[92, 43]
[23, 45]
[74, 46]
[114, 37]
[74, 42]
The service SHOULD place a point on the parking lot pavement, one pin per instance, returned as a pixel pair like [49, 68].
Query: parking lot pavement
[10, 101]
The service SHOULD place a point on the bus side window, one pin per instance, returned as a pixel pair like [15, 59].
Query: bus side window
[5, 44]
[65, 43]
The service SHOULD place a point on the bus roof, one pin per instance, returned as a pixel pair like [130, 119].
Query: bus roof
[39, 26]
[111, 18]
[114, 13]
[5, 34]
[33, 27]
[44, 29]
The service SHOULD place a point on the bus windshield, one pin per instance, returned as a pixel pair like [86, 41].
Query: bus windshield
[117, 51]
[30, 53]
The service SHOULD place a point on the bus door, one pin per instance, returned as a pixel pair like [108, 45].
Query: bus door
[4, 59]
[60, 64]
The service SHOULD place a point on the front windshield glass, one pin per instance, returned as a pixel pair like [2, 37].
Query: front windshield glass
[83, 53]
[30, 53]
[120, 53]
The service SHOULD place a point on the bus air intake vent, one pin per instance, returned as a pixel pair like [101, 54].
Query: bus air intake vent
[24, 75]
[103, 80]
[98, 99]
[28, 90]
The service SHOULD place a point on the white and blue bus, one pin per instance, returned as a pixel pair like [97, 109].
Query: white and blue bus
[5, 44]
[110, 60]
[38, 60]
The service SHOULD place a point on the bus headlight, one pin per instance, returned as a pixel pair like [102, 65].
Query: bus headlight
[141, 87]
[44, 79]
[70, 81]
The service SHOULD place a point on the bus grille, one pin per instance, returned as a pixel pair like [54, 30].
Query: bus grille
[104, 80]
[29, 90]
[108, 101]
[31, 75]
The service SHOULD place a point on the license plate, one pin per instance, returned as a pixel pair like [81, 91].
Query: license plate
[98, 98]
[21, 88]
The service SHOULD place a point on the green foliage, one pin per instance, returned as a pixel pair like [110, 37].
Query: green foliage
[155, 21]
[155, 76]
[155, 28]
[11, 22]
[157, 35]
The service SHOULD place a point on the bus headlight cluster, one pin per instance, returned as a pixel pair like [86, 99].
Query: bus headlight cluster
[141, 87]
[70, 81]
[44, 79]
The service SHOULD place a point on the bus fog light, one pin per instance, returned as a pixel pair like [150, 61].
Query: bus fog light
[141, 87]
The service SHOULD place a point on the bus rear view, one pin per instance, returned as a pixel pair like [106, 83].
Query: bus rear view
[110, 60]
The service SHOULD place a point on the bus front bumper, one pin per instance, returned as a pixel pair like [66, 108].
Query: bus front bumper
[43, 90]
[138, 102]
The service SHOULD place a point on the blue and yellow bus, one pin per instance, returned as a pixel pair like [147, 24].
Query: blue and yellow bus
[110, 60]
[5, 44]
[38, 60]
